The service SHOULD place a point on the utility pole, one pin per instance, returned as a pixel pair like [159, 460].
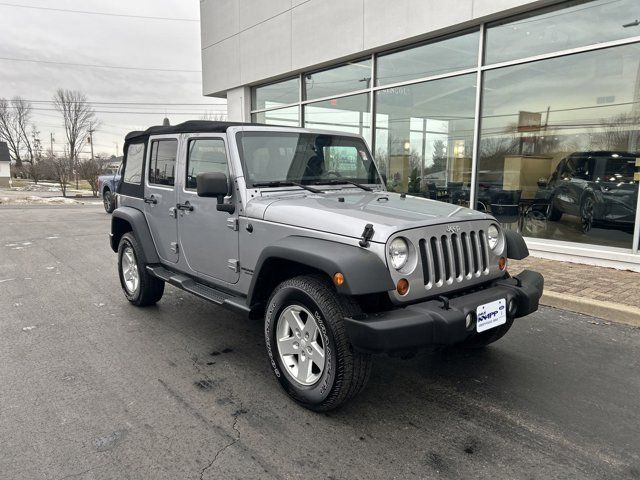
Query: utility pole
[52, 140]
[91, 130]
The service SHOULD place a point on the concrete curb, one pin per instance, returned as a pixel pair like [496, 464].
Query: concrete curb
[609, 311]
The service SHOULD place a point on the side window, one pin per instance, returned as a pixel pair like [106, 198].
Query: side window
[162, 163]
[135, 160]
[205, 155]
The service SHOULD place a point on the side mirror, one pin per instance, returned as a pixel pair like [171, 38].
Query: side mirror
[214, 184]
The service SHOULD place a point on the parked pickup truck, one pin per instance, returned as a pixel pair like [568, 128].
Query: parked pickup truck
[107, 186]
[294, 226]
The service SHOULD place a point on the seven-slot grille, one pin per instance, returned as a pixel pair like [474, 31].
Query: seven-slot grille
[454, 257]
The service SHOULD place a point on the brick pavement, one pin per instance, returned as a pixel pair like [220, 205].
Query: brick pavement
[590, 282]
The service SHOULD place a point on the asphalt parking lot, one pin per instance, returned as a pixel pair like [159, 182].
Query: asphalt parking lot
[91, 387]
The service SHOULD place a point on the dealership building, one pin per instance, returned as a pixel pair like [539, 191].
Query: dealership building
[528, 110]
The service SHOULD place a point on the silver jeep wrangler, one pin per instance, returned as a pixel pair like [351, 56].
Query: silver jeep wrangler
[295, 226]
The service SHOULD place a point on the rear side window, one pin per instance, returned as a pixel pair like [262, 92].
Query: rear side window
[135, 160]
[206, 155]
[162, 163]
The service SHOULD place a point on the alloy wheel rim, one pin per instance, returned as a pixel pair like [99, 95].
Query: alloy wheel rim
[130, 270]
[300, 345]
[587, 215]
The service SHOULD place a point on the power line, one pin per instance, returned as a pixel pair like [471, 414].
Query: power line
[86, 12]
[136, 103]
[117, 67]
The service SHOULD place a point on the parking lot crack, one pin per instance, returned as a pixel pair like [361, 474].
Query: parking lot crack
[234, 426]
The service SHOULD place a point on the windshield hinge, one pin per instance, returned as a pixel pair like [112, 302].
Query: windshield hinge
[232, 223]
[367, 233]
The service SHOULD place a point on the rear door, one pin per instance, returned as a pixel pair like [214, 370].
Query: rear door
[208, 238]
[160, 195]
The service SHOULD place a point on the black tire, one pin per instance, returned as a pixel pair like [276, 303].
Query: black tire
[346, 371]
[109, 201]
[149, 289]
[587, 213]
[481, 340]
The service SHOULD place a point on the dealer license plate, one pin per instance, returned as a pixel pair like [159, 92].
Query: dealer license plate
[491, 315]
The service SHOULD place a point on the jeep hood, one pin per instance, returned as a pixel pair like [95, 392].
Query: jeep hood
[347, 212]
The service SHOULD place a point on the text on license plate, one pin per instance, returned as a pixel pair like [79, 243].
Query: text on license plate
[491, 315]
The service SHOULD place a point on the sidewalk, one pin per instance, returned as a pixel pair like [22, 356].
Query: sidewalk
[606, 293]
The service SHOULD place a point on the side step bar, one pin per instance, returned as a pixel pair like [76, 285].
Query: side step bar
[201, 290]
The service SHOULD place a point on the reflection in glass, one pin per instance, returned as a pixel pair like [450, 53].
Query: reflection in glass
[345, 114]
[275, 95]
[282, 116]
[434, 58]
[346, 78]
[424, 137]
[560, 139]
[577, 24]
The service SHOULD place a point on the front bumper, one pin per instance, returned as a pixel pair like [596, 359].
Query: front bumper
[429, 323]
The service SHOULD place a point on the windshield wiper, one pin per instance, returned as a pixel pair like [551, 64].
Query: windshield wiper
[342, 181]
[278, 183]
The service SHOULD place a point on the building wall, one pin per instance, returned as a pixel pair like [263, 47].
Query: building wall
[5, 178]
[249, 41]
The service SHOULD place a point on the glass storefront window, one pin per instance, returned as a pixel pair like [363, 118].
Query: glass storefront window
[424, 137]
[282, 116]
[435, 58]
[346, 78]
[344, 114]
[560, 144]
[551, 30]
[275, 94]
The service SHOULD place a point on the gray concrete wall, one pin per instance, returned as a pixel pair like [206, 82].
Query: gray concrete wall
[250, 41]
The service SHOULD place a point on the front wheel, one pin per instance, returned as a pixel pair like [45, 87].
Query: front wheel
[587, 214]
[140, 288]
[308, 347]
[109, 201]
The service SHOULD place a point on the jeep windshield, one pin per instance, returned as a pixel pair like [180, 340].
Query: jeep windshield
[272, 159]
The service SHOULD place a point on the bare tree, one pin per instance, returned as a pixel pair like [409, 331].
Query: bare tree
[10, 130]
[62, 170]
[79, 119]
[35, 166]
[89, 170]
[217, 117]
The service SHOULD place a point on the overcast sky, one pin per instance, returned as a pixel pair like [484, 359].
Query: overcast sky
[117, 41]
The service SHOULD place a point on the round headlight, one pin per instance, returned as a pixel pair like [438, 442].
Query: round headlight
[398, 253]
[493, 236]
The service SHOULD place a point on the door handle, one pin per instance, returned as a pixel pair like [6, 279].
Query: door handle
[153, 200]
[185, 206]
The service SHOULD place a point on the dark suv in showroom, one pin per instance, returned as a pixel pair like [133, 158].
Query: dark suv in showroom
[598, 187]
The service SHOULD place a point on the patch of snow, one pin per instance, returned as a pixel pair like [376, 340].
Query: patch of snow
[7, 280]
[26, 329]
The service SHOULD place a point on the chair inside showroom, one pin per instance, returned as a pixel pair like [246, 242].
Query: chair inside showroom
[505, 206]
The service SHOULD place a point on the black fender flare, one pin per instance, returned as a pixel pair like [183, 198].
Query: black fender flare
[126, 219]
[364, 272]
[516, 246]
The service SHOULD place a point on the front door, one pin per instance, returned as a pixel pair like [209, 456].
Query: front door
[208, 238]
[160, 196]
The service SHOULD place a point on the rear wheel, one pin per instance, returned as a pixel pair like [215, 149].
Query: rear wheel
[108, 200]
[138, 285]
[308, 347]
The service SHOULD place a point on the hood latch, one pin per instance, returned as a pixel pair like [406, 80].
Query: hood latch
[367, 233]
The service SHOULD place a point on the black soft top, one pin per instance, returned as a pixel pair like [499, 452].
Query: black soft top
[191, 126]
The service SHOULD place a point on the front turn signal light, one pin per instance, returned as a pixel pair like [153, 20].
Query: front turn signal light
[502, 263]
[403, 286]
[338, 278]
